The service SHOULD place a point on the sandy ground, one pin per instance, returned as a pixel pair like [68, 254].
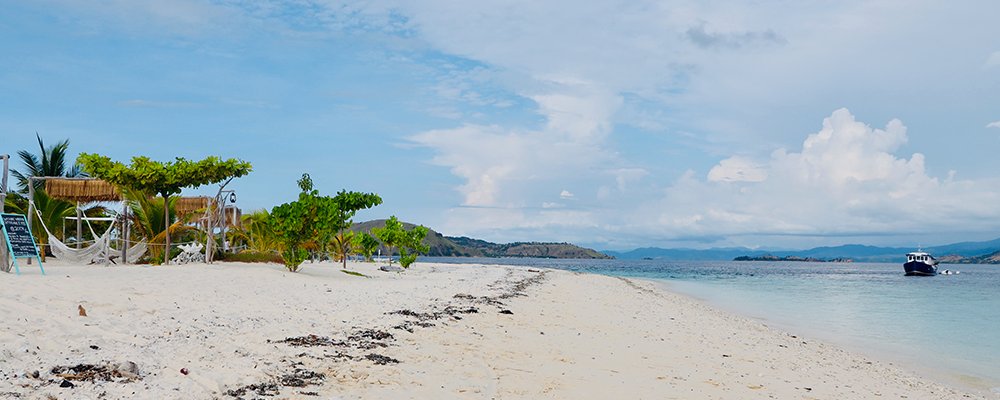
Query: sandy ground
[434, 332]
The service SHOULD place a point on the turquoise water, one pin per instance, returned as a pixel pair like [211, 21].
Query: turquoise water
[946, 326]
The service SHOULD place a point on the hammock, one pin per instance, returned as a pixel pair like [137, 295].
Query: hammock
[135, 252]
[97, 252]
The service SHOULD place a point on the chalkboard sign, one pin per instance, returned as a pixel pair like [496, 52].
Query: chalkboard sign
[15, 228]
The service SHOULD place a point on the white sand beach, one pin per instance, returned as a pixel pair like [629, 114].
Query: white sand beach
[433, 332]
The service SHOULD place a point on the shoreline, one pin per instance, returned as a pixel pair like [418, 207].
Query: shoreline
[435, 331]
[951, 377]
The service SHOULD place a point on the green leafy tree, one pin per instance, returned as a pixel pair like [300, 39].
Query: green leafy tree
[163, 178]
[294, 224]
[365, 244]
[409, 242]
[315, 219]
[348, 204]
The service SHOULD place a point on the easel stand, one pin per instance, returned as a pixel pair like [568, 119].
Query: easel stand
[20, 242]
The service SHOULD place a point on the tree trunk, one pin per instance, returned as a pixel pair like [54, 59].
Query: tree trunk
[210, 234]
[344, 246]
[166, 229]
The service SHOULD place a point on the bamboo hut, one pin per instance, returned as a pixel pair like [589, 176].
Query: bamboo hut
[81, 190]
[184, 206]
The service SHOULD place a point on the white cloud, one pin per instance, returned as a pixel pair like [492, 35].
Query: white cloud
[501, 166]
[847, 150]
[565, 194]
[993, 60]
[721, 74]
[994, 124]
[737, 169]
[845, 180]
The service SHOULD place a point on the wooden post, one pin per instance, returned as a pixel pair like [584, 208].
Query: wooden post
[124, 233]
[31, 209]
[4, 263]
[209, 233]
[79, 227]
[166, 229]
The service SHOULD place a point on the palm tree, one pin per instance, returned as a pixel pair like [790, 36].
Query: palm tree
[51, 161]
[53, 213]
[146, 212]
[256, 233]
[343, 246]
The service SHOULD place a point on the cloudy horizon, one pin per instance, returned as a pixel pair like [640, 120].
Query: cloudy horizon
[609, 124]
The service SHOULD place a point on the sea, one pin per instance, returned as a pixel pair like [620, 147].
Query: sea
[945, 327]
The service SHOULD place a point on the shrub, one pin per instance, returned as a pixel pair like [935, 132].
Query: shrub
[253, 257]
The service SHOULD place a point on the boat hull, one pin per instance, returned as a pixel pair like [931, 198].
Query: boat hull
[917, 268]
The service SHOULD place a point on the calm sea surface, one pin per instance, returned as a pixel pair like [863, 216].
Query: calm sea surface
[946, 326]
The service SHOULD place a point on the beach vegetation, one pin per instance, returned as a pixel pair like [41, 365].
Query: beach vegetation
[343, 246]
[347, 205]
[165, 179]
[256, 233]
[354, 273]
[52, 212]
[50, 161]
[409, 242]
[147, 222]
[252, 257]
[314, 220]
[365, 244]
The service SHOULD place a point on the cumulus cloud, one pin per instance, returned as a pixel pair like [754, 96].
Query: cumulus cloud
[582, 82]
[847, 150]
[844, 180]
[566, 194]
[737, 169]
[500, 166]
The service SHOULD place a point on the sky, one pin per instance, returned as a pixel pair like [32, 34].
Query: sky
[610, 124]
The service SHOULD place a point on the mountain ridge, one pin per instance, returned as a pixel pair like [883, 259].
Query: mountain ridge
[460, 246]
[961, 252]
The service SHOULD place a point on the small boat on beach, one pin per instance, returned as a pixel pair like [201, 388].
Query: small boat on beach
[919, 263]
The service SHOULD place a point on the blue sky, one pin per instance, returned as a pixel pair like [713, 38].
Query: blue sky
[609, 124]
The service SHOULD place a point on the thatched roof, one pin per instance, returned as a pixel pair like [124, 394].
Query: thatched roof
[81, 190]
[187, 205]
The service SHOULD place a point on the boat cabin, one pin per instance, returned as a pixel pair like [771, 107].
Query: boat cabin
[920, 256]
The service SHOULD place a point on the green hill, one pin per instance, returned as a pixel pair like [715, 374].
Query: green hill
[446, 246]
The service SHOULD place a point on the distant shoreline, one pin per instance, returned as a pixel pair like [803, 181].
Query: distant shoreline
[792, 258]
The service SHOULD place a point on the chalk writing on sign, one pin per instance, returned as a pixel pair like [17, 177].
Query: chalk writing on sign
[22, 244]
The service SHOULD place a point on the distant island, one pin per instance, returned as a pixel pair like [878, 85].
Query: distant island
[984, 252]
[450, 246]
[768, 257]
[992, 258]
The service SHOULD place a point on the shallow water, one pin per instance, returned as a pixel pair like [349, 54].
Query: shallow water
[948, 325]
